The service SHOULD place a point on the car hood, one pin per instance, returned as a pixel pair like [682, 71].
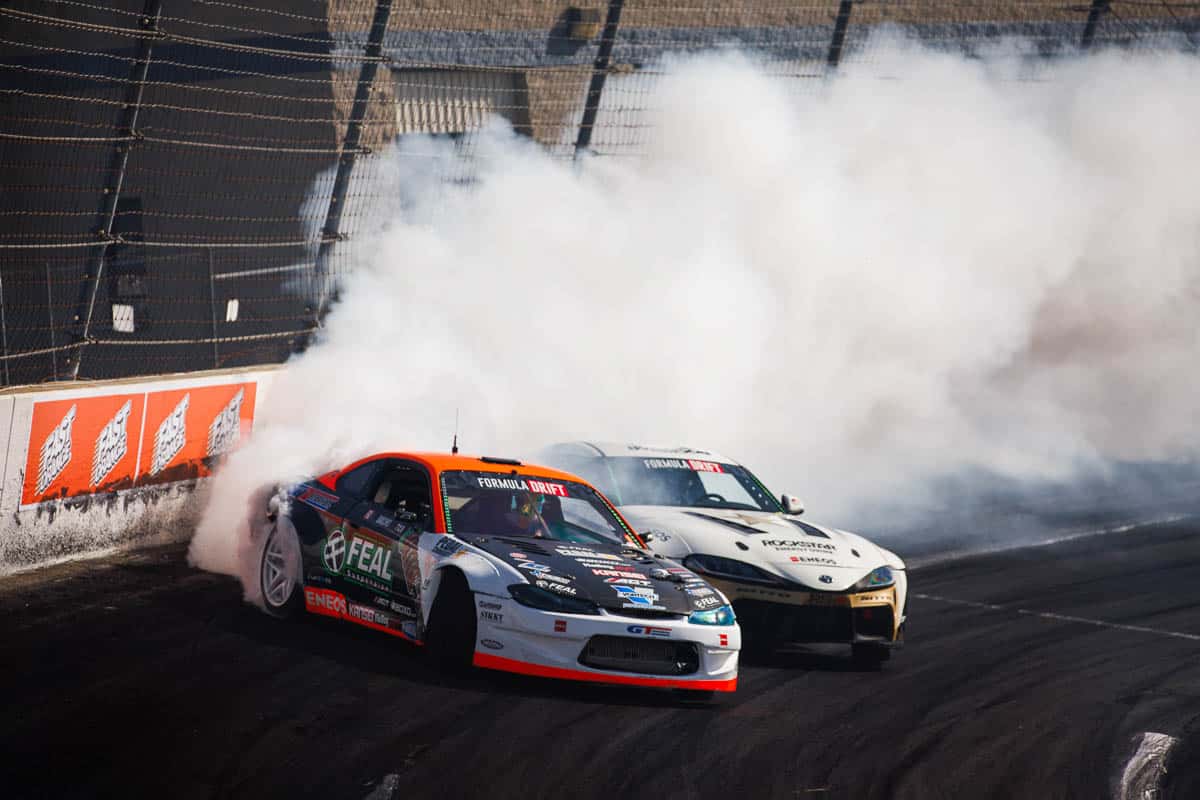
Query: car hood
[616, 578]
[816, 556]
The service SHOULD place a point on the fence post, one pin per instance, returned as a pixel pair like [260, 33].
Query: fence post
[86, 306]
[212, 308]
[331, 231]
[1099, 9]
[840, 24]
[600, 69]
[4, 332]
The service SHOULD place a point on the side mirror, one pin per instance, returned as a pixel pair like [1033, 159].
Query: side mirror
[791, 504]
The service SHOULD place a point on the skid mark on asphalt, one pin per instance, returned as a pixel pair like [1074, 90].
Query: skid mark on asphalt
[1193, 637]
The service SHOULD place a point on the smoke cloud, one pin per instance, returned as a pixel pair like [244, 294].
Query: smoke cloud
[926, 266]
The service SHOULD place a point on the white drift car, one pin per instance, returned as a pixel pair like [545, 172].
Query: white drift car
[788, 580]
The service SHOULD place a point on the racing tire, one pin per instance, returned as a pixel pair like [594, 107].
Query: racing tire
[450, 633]
[869, 656]
[279, 578]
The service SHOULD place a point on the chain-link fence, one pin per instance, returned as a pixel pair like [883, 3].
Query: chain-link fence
[175, 171]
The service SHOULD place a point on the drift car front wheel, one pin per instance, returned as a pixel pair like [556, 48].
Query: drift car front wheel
[279, 574]
[450, 634]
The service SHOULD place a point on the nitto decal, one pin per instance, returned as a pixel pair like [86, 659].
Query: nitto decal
[648, 630]
[520, 484]
[226, 427]
[170, 437]
[56, 451]
[112, 444]
[491, 644]
[334, 553]
[324, 601]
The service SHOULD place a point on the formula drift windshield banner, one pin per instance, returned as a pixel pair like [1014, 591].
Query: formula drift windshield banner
[105, 443]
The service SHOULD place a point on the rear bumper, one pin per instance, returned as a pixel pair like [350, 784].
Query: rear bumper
[513, 638]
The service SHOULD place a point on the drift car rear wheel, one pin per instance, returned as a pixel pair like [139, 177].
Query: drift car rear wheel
[450, 634]
[279, 574]
[869, 656]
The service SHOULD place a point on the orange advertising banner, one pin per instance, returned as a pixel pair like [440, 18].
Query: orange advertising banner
[101, 444]
[82, 446]
[187, 430]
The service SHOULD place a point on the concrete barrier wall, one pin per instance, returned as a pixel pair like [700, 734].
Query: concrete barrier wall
[91, 466]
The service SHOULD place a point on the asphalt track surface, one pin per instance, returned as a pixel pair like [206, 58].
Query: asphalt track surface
[136, 676]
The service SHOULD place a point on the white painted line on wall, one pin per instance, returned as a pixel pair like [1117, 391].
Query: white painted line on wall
[1145, 770]
[1099, 623]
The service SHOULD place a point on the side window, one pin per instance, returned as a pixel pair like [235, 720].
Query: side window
[403, 488]
[354, 483]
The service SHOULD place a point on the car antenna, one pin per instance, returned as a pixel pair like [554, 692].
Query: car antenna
[454, 446]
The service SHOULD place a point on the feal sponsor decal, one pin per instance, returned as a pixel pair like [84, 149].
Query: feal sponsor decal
[361, 559]
[104, 443]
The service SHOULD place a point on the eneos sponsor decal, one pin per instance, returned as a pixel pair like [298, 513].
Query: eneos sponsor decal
[325, 601]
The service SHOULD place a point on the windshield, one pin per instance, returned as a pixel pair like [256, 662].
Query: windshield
[685, 482]
[521, 505]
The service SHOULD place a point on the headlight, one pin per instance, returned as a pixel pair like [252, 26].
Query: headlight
[714, 616]
[878, 579]
[729, 568]
[533, 597]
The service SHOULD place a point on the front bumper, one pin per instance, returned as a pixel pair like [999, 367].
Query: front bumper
[781, 615]
[607, 648]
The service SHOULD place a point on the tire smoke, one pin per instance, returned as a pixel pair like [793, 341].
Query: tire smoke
[926, 266]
